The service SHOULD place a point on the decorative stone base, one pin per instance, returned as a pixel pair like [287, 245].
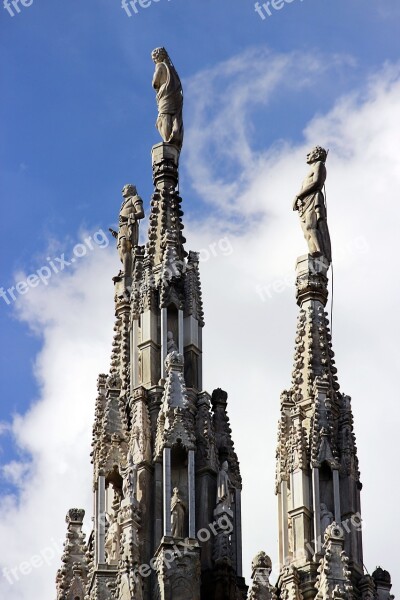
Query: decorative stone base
[165, 161]
[311, 280]
[178, 570]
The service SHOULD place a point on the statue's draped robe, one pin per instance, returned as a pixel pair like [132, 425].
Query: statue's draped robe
[314, 205]
[170, 102]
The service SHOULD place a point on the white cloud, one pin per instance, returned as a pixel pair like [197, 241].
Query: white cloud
[75, 317]
[248, 343]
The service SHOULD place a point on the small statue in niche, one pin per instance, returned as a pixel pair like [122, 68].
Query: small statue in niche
[171, 344]
[129, 474]
[128, 232]
[112, 539]
[169, 98]
[178, 514]
[326, 517]
[224, 486]
[310, 204]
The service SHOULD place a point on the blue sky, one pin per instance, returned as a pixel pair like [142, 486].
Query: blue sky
[78, 111]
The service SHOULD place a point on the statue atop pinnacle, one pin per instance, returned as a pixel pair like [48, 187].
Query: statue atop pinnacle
[169, 98]
[127, 235]
[310, 204]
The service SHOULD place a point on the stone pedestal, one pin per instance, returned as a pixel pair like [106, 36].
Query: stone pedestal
[311, 279]
[178, 570]
[165, 161]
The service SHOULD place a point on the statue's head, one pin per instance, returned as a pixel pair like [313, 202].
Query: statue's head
[159, 55]
[316, 154]
[176, 491]
[129, 190]
[225, 466]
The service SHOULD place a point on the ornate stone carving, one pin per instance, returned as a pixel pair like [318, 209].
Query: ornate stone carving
[175, 422]
[193, 294]
[205, 436]
[224, 487]
[112, 542]
[334, 579]
[223, 435]
[178, 572]
[261, 588]
[290, 584]
[129, 475]
[140, 442]
[73, 575]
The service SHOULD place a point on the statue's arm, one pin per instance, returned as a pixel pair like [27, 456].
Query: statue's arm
[159, 76]
[139, 210]
[316, 183]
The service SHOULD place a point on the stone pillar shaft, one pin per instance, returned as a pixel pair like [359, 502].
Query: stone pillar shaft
[101, 509]
[191, 495]
[167, 491]
[317, 510]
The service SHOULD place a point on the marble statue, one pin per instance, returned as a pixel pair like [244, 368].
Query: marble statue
[310, 204]
[171, 344]
[223, 486]
[169, 97]
[326, 517]
[112, 539]
[178, 513]
[128, 232]
[129, 484]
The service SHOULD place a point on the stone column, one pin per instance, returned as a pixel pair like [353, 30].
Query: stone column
[191, 495]
[167, 491]
[238, 532]
[101, 516]
[158, 503]
[134, 355]
[284, 521]
[180, 332]
[150, 349]
[336, 494]
[317, 510]
[164, 335]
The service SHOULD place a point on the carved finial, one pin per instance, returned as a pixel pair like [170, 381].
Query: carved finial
[75, 515]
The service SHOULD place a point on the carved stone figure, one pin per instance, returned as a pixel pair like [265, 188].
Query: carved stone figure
[129, 475]
[125, 588]
[326, 518]
[112, 539]
[224, 485]
[310, 204]
[169, 97]
[130, 585]
[128, 233]
[178, 513]
[171, 344]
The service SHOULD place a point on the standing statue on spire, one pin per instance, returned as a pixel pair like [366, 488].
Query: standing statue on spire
[310, 204]
[169, 97]
[128, 233]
